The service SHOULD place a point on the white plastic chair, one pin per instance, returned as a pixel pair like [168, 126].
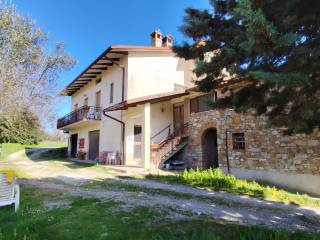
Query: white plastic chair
[112, 158]
[9, 192]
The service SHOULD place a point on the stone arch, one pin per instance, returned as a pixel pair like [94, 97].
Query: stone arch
[204, 127]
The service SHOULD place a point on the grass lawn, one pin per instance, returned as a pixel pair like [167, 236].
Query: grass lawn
[51, 216]
[218, 181]
[9, 148]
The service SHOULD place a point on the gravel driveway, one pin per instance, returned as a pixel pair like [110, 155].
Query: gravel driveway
[68, 178]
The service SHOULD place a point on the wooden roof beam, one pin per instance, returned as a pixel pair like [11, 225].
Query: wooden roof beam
[78, 84]
[104, 64]
[99, 68]
[73, 89]
[89, 76]
[98, 73]
[111, 59]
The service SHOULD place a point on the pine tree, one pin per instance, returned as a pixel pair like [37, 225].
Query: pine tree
[272, 45]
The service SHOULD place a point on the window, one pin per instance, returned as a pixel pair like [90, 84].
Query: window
[98, 99]
[202, 103]
[238, 141]
[85, 102]
[111, 92]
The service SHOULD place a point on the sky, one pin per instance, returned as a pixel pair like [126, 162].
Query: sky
[88, 27]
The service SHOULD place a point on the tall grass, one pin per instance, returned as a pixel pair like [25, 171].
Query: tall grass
[216, 180]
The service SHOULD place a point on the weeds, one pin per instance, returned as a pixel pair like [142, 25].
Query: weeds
[216, 180]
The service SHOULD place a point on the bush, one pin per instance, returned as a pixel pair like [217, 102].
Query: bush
[21, 127]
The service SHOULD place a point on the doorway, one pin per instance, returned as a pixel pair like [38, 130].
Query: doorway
[210, 149]
[137, 143]
[73, 145]
[94, 138]
[178, 119]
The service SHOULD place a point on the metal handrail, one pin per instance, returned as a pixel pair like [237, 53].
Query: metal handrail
[161, 131]
[177, 133]
[83, 113]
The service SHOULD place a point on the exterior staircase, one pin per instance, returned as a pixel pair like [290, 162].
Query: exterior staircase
[170, 146]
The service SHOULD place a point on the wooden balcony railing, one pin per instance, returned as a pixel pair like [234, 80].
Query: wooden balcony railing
[81, 114]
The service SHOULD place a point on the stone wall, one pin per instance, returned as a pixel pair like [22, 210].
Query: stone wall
[265, 149]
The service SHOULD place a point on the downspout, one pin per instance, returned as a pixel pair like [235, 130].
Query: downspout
[122, 100]
[122, 133]
[227, 152]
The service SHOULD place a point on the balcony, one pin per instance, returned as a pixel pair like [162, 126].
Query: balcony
[83, 114]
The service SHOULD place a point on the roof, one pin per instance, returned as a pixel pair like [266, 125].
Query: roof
[151, 99]
[108, 58]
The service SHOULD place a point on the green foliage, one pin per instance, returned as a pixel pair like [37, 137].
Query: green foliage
[55, 153]
[22, 127]
[215, 179]
[272, 45]
[89, 218]
[30, 67]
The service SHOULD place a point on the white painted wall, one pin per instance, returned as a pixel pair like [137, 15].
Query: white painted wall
[132, 117]
[110, 130]
[83, 132]
[292, 181]
[147, 73]
[135, 116]
[162, 116]
[152, 73]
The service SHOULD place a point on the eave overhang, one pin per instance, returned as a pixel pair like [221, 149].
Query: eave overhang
[107, 59]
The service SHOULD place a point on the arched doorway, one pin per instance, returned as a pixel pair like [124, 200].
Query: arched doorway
[210, 149]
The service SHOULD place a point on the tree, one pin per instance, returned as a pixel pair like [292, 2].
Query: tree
[21, 127]
[29, 67]
[273, 46]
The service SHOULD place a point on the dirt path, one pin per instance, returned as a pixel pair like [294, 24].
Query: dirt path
[275, 218]
[68, 178]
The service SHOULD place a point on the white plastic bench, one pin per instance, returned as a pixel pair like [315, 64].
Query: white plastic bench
[9, 192]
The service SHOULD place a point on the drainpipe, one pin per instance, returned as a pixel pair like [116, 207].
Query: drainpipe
[227, 152]
[123, 125]
[122, 99]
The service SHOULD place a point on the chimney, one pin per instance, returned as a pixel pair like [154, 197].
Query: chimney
[156, 38]
[167, 41]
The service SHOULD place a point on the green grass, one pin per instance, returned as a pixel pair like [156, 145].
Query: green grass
[218, 181]
[89, 218]
[9, 148]
[113, 185]
[55, 154]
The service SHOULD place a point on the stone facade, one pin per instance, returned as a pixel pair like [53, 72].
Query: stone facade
[265, 149]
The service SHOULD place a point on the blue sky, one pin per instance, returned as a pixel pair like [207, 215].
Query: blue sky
[88, 27]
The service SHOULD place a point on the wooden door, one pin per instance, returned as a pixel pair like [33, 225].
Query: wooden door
[73, 145]
[137, 142]
[94, 138]
[178, 119]
[210, 149]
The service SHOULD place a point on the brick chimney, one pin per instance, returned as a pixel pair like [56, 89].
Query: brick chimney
[167, 41]
[156, 38]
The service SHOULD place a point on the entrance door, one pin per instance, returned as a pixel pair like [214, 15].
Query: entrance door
[178, 119]
[210, 149]
[137, 143]
[94, 137]
[73, 145]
